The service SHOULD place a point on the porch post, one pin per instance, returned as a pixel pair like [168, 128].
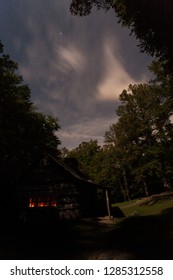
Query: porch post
[108, 204]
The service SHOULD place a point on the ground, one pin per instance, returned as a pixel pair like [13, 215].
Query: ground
[134, 237]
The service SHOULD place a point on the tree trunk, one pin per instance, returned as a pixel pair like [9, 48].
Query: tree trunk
[123, 191]
[126, 186]
[145, 188]
[165, 181]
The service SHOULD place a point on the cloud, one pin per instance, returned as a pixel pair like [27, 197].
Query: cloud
[84, 131]
[115, 78]
[70, 58]
[73, 65]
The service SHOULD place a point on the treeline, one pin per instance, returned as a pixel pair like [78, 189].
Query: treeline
[137, 156]
[26, 135]
[150, 21]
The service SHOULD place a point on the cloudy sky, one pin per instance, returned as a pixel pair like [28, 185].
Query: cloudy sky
[75, 67]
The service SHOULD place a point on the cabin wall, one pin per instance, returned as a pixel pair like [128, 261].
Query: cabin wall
[70, 200]
[64, 198]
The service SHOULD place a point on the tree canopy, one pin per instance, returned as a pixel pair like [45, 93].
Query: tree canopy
[138, 148]
[150, 21]
[26, 134]
[143, 136]
[137, 156]
[86, 154]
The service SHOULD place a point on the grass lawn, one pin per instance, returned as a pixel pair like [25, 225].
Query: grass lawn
[147, 206]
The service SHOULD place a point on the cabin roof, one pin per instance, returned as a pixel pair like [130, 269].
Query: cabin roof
[57, 171]
[76, 173]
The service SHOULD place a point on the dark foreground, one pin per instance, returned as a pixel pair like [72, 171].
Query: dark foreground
[144, 238]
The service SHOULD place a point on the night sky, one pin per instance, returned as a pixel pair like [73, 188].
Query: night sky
[75, 67]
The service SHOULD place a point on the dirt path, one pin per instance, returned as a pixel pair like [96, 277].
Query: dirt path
[149, 237]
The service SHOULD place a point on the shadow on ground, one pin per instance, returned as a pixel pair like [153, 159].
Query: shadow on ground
[145, 238]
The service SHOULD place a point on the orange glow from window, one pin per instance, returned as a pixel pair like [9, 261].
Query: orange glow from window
[31, 204]
[54, 204]
[42, 202]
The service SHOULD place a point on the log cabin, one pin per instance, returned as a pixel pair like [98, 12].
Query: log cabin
[62, 191]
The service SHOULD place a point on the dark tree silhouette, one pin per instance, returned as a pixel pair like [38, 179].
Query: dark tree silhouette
[26, 135]
[150, 21]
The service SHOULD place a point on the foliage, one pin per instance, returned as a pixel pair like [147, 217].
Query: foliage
[138, 153]
[142, 138]
[26, 135]
[63, 152]
[99, 165]
[150, 21]
[83, 8]
[86, 154]
[137, 158]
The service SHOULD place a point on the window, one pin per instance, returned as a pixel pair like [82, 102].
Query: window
[42, 202]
